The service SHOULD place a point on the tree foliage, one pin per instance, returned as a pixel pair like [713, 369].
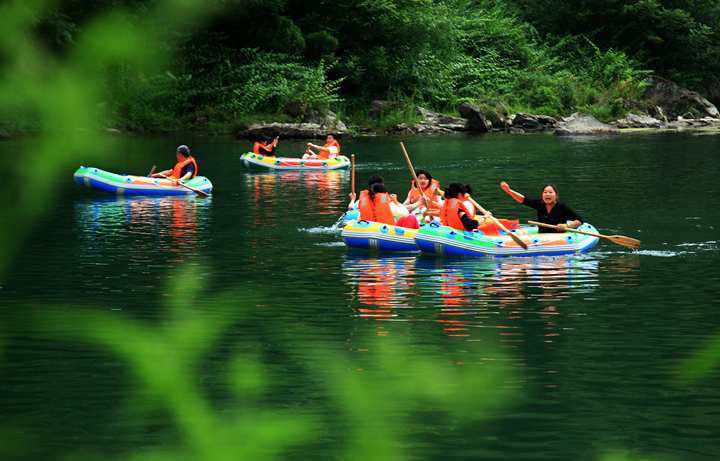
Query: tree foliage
[548, 56]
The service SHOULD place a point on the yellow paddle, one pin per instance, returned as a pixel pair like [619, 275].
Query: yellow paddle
[498, 223]
[618, 239]
[197, 191]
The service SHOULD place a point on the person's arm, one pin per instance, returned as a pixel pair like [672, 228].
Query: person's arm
[479, 207]
[188, 174]
[353, 204]
[468, 222]
[517, 196]
[572, 219]
[162, 173]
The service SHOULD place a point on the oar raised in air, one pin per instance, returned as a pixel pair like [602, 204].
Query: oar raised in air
[152, 170]
[197, 191]
[352, 174]
[498, 223]
[618, 239]
[412, 173]
[341, 219]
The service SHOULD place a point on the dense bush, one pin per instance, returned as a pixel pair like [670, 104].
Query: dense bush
[283, 58]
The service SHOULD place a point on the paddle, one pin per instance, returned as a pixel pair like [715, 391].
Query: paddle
[618, 239]
[152, 170]
[341, 220]
[498, 223]
[197, 191]
[352, 174]
[412, 172]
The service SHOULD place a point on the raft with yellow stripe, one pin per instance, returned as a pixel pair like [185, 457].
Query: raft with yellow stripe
[292, 163]
[371, 235]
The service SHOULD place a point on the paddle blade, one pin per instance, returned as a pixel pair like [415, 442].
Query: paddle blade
[625, 241]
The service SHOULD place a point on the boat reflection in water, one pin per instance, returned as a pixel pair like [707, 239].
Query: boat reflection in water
[324, 189]
[380, 286]
[142, 229]
[467, 294]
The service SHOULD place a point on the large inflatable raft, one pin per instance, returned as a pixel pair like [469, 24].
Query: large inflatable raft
[436, 239]
[122, 184]
[371, 235]
[291, 163]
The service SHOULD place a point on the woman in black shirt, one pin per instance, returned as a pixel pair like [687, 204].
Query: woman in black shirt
[549, 210]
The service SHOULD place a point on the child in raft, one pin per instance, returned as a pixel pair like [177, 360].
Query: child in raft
[377, 205]
[430, 191]
[458, 212]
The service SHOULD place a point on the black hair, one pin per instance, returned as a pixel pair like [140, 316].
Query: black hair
[377, 188]
[183, 149]
[468, 189]
[454, 190]
[424, 172]
[554, 187]
[374, 179]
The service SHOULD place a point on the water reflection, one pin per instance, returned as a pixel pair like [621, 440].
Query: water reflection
[323, 189]
[380, 285]
[468, 293]
[140, 227]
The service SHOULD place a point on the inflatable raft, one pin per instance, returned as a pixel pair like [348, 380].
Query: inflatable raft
[374, 235]
[122, 184]
[436, 239]
[291, 163]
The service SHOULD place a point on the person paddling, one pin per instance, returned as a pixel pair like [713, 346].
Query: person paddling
[430, 195]
[265, 147]
[185, 168]
[374, 202]
[330, 149]
[549, 210]
[454, 213]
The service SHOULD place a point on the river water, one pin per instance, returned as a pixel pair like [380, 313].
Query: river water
[590, 346]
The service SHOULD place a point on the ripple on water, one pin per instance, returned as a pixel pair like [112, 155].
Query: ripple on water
[321, 230]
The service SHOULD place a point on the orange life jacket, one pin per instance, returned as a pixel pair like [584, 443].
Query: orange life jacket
[261, 148]
[383, 212]
[376, 209]
[324, 154]
[430, 194]
[490, 228]
[177, 169]
[450, 213]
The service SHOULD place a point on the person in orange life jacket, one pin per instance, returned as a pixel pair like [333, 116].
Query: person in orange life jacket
[486, 225]
[264, 146]
[430, 196]
[330, 149]
[467, 193]
[185, 168]
[453, 212]
[549, 210]
[374, 202]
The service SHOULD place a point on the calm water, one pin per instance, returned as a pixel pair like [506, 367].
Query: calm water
[592, 340]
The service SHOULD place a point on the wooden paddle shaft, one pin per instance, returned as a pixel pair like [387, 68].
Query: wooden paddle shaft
[197, 191]
[498, 223]
[412, 170]
[352, 174]
[567, 229]
[617, 239]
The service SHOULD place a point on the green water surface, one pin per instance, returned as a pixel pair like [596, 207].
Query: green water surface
[591, 344]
